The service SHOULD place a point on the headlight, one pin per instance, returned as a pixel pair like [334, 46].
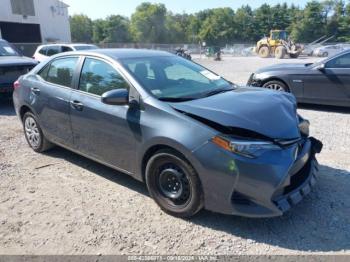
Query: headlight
[250, 149]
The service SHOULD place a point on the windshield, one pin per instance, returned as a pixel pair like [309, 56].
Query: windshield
[172, 78]
[7, 50]
[85, 47]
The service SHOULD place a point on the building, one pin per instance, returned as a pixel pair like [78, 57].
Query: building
[34, 21]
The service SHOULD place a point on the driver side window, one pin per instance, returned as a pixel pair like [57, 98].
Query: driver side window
[339, 62]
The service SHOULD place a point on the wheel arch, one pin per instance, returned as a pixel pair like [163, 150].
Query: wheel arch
[264, 45]
[152, 149]
[24, 109]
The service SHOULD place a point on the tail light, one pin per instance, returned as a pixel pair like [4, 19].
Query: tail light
[16, 85]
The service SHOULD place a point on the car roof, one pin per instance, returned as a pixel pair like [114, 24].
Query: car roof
[346, 51]
[66, 44]
[120, 53]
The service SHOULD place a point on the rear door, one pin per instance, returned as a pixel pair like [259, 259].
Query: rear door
[50, 96]
[102, 131]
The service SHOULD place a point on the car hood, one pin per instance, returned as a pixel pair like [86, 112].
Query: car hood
[269, 113]
[284, 67]
[16, 60]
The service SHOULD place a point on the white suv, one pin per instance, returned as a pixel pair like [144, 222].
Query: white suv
[45, 51]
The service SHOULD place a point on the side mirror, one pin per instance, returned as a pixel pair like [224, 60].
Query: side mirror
[321, 67]
[116, 97]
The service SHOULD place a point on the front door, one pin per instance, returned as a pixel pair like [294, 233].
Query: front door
[330, 84]
[102, 131]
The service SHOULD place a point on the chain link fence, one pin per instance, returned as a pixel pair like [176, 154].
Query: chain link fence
[28, 49]
[246, 49]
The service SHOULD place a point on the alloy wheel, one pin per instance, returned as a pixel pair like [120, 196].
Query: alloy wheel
[32, 132]
[275, 86]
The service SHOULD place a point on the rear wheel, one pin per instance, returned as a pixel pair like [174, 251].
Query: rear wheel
[276, 85]
[173, 184]
[264, 52]
[34, 134]
[280, 52]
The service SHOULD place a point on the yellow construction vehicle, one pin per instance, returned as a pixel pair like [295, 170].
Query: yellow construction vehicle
[278, 45]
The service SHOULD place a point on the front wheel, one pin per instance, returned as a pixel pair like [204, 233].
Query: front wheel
[264, 52]
[276, 85]
[34, 134]
[174, 184]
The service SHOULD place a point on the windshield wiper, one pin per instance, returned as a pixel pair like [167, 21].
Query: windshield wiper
[176, 99]
[217, 91]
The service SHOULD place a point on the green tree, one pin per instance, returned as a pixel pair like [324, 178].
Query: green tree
[117, 29]
[176, 27]
[81, 28]
[262, 21]
[344, 25]
[148, 23]
[311, 25]
[99, 31]
[244, 25]
[280, 16]
[334, 13]
[218, 27]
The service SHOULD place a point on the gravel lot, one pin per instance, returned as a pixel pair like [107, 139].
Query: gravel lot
[62, 203]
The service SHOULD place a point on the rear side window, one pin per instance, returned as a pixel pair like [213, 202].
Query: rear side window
[43, 72]
[43, 51]
[66, 49]
[98, 77]
[53, 50]
[61, 71]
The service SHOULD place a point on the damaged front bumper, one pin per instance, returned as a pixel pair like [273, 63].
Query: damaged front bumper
[263, 187]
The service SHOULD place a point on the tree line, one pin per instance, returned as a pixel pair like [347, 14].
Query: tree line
[153, 23]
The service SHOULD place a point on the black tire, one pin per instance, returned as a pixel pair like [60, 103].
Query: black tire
[280, 52]
[276, 85]
[264, 52]
[294, 55]
[41, 143]
[188, 199]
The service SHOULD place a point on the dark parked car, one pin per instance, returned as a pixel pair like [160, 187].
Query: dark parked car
[12, 65]
[326, 82]
[196, 139]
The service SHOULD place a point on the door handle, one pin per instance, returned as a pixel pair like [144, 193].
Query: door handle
[77, 105]
[35, 90]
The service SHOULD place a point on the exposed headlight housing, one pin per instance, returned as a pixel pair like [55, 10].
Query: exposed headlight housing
[246, 148]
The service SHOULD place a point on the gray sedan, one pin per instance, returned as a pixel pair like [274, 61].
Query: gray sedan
[194, 138]
[326, 82]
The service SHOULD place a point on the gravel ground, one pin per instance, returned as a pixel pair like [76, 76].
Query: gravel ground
[62, 203]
